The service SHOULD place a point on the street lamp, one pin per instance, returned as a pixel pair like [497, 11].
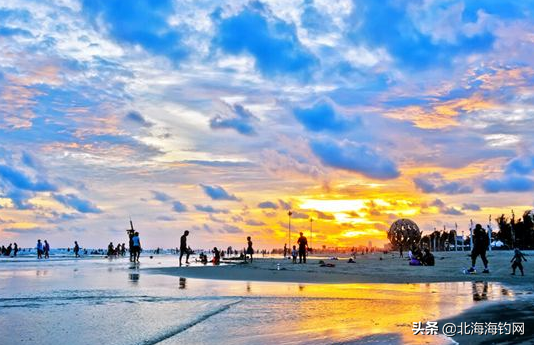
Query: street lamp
[289, 213]
[311, 232]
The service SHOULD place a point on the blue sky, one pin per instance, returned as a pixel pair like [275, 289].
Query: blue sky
[218, 118]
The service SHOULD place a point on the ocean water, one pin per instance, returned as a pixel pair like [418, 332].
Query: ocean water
[101, 301]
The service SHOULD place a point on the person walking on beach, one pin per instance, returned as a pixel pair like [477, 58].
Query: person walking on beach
[285, 250]
[39, 248]
[294, 254]
[250, 251]
[46, 249]
[183, 247]
[15, 249]
[303, 245]
[516, 261]
[216, 256]
[76, 249]
[110, 249]
[136, 247]
[480, 245]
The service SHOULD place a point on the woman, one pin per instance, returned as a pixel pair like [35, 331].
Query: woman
[250, 251]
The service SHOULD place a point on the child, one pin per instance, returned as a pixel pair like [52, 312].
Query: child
[517, 261]
[294, 254]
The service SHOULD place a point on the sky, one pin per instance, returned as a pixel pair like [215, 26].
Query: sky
[220, 117]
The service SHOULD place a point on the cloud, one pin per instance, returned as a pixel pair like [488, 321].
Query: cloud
[321, 117]
[219, 164]
[325, 216]
[470, 207]
[80, 205]
[166, 218]
[514, 183]
[210, 209]
[520, 166]
[435, 183]
[299, 215]
[143, 23]
[179, 207]
[267, 205]
[284, 205]
[231, 229]
[218, 193]
[28, 231]
[446, 210]
[253, 222]
[234, 117]
[137, 118]
[272, 42]
[355, 157]
[19, 180]
[160, 196]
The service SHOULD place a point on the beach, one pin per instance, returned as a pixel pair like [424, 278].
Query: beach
[368, 268]
[63, 300]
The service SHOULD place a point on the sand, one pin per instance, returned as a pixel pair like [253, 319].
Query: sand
[369, 268]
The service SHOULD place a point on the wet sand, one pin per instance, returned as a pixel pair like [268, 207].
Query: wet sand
[369, 268]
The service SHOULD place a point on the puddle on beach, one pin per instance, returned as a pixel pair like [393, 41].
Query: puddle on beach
[96, 301]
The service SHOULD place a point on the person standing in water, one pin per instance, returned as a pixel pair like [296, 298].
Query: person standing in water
[39, 248]
[250, 251]
[480, 245]
[46, 250]
[136, 247]
[183, 247]
[303, 246]
[516, 261]
[76, 249]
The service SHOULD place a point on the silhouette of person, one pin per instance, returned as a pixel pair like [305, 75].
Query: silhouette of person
[480, 244]
[136, 247]
[76, 249]
[46, 249]
[250, 251]
[285, 250]
[303, 245]
[516, 261]
[183, 247]
[15, 249]
[39, 248]
[111, 249]
[216, 256]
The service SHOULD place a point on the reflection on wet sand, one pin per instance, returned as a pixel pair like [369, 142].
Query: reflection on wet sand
[182, 285]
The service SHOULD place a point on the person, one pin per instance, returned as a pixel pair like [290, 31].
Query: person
[9, 249]
[428, 258]
[216, 256]
[46, 249]
[111, 249]
[183, 247]
[250, 251]
[516, 261]
[76, 249]
[285, 250]
[39, 248]
[480, 244]
[400, 252]
[136, 247]
[123, 249]
[294, 254]
[303, 245]
[15, 249]
[130, 244]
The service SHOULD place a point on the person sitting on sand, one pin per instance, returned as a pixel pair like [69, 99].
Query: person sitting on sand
[216, 256]
[516, 261]
[183, 247]
[250, 251]
[428, 258]
[294, 254]
[415, 256]
[480, 245]
[303, 245]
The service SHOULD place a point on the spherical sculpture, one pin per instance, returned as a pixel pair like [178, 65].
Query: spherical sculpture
[528, 217]
[403, 233]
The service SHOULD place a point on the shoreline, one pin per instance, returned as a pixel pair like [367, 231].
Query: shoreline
[373, 268]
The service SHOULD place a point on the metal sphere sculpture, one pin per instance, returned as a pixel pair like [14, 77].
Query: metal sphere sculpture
[403, 233]
[528, 217]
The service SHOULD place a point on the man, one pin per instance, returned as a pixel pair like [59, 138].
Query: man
[183, 247]
[46, 249]
[303, 245]
[39, 249]
[480, 245]
[136, 247]
[76, 249]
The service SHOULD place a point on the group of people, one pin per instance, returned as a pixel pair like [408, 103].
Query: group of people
[302, 251]
[420, 257]
[10, 249]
